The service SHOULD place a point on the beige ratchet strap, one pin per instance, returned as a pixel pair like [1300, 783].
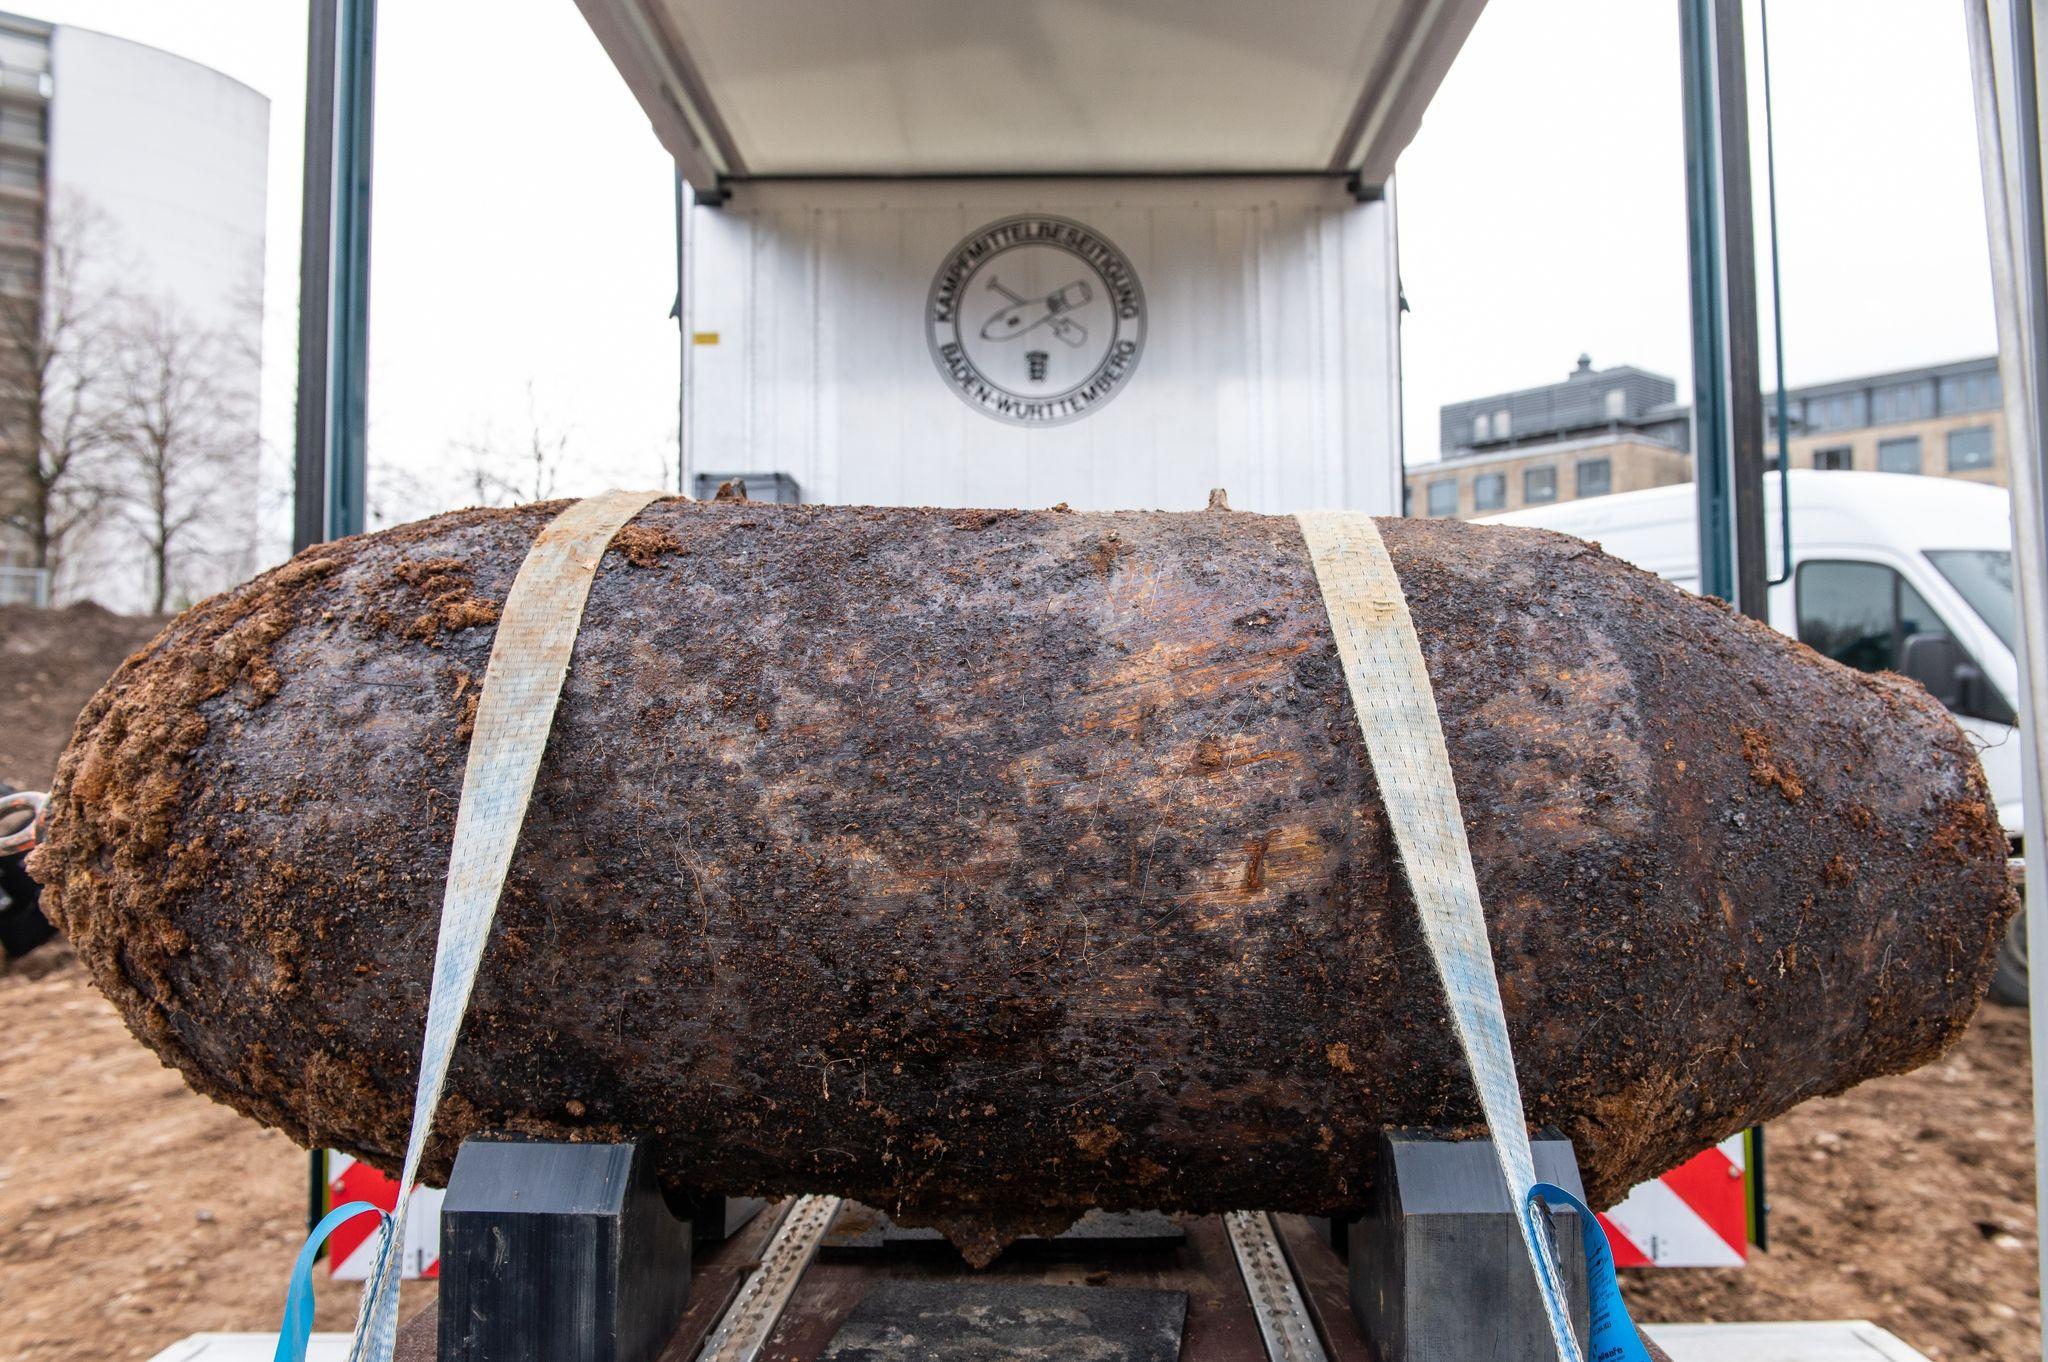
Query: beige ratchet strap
[1396, 704]
[529, 661]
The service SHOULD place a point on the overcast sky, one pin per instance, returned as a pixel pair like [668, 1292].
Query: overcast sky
[1542, 206]
[524, 241]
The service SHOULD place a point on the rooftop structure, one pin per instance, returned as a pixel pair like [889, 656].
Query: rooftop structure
[1622, 398]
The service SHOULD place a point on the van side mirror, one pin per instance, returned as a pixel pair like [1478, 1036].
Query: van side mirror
[1937, 662]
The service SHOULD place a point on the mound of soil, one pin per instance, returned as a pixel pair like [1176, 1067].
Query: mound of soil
[51, 662]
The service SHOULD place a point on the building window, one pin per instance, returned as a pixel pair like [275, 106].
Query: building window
[20, 52]
[21, 170]
[1616, 403]
[1843, 411]
[1489, 491]
[1971, 392]
[1443, 496]
[1595, 478]
[1969, 449]
[1834, 460]
[1539, 485]
[1899, 456]
[22, 125]
[1902, 402]
[1501, 425]
[1479, 428]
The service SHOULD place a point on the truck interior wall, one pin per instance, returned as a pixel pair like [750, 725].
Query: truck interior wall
[1269, 363]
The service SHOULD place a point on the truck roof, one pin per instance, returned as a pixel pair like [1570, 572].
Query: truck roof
[1827, 507]
[759, 89]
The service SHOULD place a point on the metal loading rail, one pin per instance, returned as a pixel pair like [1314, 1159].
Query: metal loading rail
[571, 1252]
[783, 1287]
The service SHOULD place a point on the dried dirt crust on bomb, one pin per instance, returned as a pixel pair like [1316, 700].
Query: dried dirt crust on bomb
[991, 865]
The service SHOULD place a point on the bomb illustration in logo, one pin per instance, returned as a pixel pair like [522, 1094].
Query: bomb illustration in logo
[1036, 320]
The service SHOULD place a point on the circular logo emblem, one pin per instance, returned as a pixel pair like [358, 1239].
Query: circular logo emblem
[1036, 320]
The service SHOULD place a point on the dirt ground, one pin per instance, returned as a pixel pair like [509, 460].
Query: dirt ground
[133, 1212]
[1908, 1201]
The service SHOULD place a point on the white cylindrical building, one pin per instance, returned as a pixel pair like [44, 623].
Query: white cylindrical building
[132, 197]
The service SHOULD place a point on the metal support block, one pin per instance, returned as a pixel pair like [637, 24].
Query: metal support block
[715, 1219]
[1438, 1270]
[558, 1253]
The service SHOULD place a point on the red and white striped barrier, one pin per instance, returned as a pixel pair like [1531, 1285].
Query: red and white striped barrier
[1696, 1215]
[352, 1249]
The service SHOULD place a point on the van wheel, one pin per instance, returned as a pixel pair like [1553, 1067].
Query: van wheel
[2009, 981]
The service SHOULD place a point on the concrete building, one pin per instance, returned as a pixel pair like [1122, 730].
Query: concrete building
[1620, 430]
[160, 165]
[1588, 401]
[1943, 420]
[1533, 475]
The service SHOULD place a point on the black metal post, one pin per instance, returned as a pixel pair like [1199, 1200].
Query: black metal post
[685, 339]
[334, 271]
[1728, 427]
[334, 304]
[316, 241]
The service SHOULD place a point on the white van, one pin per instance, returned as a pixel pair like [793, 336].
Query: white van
[1890, 572]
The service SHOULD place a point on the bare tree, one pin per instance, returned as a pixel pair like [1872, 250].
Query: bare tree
[479, 472]
[396, 494]
[667, 475]
[57, 410]
[184, 435]
[526, 467]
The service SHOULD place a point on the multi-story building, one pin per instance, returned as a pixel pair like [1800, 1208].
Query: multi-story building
[1599, 431]
[24, 149]
[153, 170]
[1620, 430]
[1945, 420]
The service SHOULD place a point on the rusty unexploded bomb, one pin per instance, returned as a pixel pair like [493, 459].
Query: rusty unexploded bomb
[991, 865]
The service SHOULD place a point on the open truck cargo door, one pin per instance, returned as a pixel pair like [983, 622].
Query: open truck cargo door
[1107, 255]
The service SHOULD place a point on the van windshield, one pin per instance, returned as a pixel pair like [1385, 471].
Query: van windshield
[1983, 577]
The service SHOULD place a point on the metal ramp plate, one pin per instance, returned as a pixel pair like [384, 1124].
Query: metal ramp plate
[864, 1229]
[1851, 1340]
[992, 1321]
[328, 1347]
[1218, 1321]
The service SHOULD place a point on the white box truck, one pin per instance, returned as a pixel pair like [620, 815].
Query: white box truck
[1017, 255]
[1109, 343]
[1890, 572]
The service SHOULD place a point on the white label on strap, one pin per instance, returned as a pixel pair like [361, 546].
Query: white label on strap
[1390, 689]
[529, 659]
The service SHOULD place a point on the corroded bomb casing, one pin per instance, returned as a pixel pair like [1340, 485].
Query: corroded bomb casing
[992, 865]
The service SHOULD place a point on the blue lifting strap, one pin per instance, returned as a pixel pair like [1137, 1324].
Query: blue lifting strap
[1614, 1334]
[298, 1301]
